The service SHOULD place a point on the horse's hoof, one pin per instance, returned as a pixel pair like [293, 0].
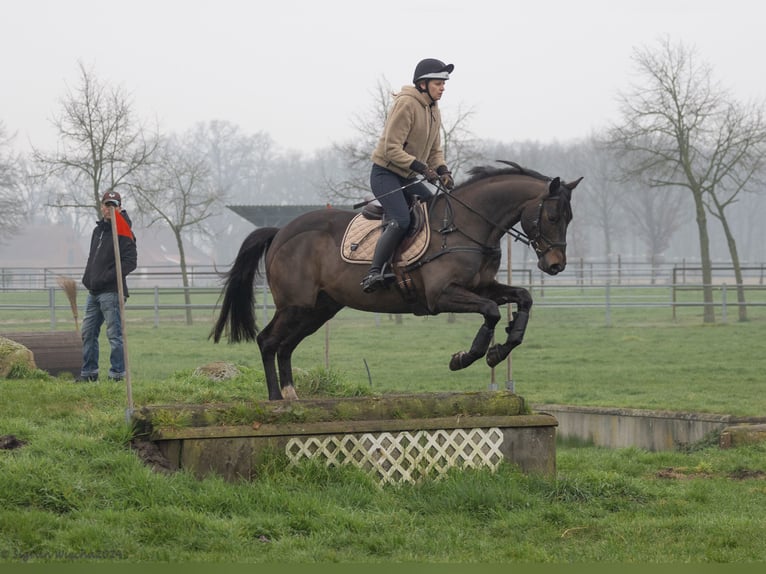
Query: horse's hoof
[497, 353]
[288, 393]
[493, 356]
[456, 362]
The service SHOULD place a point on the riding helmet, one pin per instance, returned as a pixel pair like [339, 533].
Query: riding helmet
[432, 69]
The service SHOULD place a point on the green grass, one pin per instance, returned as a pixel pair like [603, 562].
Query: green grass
[76, 493]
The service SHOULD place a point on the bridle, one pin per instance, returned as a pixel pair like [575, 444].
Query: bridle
[537, 239]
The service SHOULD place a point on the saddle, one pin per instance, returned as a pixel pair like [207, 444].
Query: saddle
[362, 233]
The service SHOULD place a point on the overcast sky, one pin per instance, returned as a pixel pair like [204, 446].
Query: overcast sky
[300, 70]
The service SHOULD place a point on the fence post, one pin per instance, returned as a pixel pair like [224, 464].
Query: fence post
[608, 304]
[673, 290]
[52, 305]
[619, 269]
[723, 303]
[156, 306]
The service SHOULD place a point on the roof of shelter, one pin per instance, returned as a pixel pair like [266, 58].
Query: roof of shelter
[276, 215]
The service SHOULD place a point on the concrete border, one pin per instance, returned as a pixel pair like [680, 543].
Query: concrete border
[647, 429]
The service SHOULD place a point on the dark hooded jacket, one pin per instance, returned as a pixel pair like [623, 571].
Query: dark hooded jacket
[101, 272]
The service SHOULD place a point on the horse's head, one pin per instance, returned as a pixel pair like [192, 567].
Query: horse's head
[545, 222]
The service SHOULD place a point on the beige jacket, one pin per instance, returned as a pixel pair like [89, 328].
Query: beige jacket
[412, 132]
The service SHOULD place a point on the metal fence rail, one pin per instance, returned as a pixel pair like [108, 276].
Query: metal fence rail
[579, 272]
[21, 307]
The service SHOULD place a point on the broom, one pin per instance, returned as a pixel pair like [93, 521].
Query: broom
[70, 288]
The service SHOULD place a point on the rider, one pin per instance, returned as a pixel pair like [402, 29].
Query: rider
[410, 145]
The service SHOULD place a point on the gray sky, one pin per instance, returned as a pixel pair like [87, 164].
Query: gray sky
[300, 70]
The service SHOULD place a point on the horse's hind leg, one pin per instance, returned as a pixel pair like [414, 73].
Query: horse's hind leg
[294, 325]
[267, 343]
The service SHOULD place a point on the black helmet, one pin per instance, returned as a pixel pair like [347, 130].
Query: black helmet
[430, 69]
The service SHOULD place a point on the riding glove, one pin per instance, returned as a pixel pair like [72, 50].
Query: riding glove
[430, 175]
[445, 175]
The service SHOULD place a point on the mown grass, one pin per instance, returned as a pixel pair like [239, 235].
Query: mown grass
[75, 492]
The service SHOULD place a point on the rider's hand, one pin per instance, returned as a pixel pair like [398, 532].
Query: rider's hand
[430, 175]
[445, 175]
[421, 168]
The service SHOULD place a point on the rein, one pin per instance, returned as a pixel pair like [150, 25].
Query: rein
[516, 234]
[482, 248]
[536, 241]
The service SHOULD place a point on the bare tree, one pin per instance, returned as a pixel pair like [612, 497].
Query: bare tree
[101, 146]
[655, 218]
[238, 162]
[461, 149]
[679, 130]
[603, 195]
[178, 190]
[12, 211]
[239, 167]
[356, 153]
[741, 145]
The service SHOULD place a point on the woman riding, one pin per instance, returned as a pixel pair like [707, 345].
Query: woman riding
[409, 146]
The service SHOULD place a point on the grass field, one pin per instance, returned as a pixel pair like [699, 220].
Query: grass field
[74, 492]
[644, 359]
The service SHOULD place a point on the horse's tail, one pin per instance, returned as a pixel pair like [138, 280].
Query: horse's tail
[238, 307]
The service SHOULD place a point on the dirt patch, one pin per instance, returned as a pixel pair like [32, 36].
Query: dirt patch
[10, 442]
[150, 454]
[747, 474]
[687, 474]
[679, 474]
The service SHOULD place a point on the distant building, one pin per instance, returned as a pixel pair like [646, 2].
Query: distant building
[42, 245]
[41, 251]
[276, 215]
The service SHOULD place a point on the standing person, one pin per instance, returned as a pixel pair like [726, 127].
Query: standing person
[409, 146]
[100, 278]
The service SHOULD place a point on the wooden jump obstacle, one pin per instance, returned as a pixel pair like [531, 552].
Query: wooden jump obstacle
[54, 351]
[393, 437]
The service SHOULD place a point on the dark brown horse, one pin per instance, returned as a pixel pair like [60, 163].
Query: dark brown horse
[310, 282]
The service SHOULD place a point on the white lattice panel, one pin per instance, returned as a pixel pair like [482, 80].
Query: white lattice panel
[404, 456]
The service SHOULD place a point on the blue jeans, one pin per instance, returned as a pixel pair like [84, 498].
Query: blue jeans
[104, 307]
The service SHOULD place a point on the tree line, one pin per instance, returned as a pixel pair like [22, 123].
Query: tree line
[680, 171]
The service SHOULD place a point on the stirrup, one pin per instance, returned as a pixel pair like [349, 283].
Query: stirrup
[373, 281]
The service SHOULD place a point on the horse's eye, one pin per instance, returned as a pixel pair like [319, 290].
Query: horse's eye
[552, 213]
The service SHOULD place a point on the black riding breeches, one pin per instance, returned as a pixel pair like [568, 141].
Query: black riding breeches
[386, 185]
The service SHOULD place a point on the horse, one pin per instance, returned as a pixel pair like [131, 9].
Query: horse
[310, 281]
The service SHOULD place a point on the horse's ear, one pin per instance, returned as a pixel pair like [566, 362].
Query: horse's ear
[572, 184]
[554, 185]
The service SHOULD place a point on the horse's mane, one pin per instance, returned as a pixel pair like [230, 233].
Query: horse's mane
[484, 171]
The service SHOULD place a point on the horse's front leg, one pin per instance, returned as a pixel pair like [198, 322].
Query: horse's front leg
[460, 300]
[517, 326]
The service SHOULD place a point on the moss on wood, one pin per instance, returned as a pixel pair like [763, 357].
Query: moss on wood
[152, 419]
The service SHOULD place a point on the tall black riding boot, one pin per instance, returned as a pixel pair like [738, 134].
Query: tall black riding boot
[387, 243]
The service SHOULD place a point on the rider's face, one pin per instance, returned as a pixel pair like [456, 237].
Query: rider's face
[436, 89]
